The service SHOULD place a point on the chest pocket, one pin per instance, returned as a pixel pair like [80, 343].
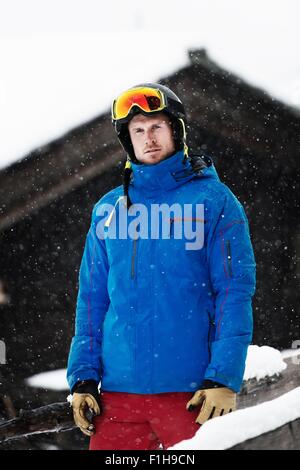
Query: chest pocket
[188, 232]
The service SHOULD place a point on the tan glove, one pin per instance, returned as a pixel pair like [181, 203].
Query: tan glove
[85, 400]
[214, 402]
[81, 403]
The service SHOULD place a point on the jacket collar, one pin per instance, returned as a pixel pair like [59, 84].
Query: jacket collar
[167, 174]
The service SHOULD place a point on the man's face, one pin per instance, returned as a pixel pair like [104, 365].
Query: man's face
[151, 137]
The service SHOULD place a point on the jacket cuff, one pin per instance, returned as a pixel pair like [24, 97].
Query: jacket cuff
[210, 384]
[87, 386]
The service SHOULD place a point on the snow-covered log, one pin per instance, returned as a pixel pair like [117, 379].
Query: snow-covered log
[286, 437]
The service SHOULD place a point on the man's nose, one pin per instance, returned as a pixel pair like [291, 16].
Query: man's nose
[150, 137]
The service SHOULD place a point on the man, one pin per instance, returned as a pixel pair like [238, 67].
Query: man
[162, 323]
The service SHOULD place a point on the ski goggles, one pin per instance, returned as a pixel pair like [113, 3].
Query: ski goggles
[147, 99]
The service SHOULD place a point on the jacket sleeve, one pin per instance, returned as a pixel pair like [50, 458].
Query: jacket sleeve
[92, 304]
[232, 273]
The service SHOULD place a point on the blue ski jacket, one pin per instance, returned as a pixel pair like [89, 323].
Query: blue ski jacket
[153, 316]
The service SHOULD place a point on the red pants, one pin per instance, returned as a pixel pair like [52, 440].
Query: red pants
[130, 421]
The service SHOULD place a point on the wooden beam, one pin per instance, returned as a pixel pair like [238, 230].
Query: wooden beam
[40, 200]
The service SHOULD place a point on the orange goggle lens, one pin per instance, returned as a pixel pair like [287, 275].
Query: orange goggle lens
[147, 99]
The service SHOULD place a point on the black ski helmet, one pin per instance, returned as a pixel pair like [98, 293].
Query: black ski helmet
[173, 109]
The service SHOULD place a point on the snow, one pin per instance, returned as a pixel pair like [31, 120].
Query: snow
[262, 361]
[231, 429]
[291, 353]
[63, 61]
[54, 380]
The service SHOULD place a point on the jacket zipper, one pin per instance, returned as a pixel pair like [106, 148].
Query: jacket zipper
[229, 259]
[182, 219]
[171, 225]
[133, 259]
[211, 324]
[133, 256]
